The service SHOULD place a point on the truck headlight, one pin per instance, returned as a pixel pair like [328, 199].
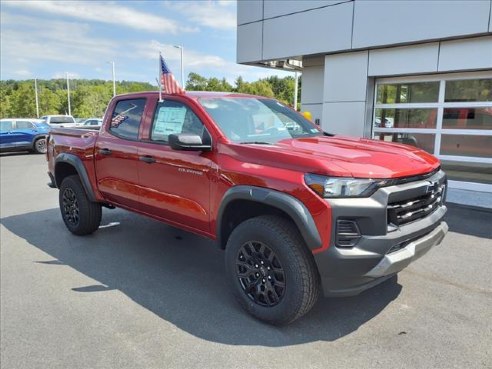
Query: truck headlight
[332, 187]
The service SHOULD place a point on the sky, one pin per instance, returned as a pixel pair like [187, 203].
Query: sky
[47, 39]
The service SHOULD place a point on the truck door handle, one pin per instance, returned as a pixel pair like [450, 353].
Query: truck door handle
[147, 159]
[105, 152]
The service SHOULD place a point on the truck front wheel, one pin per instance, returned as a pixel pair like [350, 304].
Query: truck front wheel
[273, 275]
[81, 216]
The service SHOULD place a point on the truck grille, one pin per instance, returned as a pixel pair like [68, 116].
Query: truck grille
[409, 210]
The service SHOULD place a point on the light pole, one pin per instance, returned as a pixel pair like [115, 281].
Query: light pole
[68, 96]
[182, 70]
[296, 78]
[114, 79]
[36, 95]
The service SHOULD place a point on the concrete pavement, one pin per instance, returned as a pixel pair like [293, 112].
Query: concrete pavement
[140, 294]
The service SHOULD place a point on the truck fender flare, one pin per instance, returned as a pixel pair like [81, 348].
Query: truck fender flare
[290, 205]
[75, 162]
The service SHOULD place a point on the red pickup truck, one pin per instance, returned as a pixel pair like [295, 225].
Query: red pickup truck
[297, 210]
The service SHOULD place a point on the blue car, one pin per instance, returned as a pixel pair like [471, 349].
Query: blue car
[23, 134]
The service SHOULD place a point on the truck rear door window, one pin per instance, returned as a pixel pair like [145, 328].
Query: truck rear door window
[127, 116]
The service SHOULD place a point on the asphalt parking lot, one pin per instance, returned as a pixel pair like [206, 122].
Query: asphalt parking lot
[141, 294]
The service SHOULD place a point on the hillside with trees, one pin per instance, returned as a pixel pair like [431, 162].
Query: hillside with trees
[89, 98]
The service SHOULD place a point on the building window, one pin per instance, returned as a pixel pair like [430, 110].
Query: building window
[449, 116]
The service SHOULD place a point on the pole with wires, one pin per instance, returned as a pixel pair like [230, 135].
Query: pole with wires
[36, 95]
[68, 96]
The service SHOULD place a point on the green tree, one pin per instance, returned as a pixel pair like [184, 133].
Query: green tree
[91, 101]
[239, 84]
[49, 101]
[214, 84]
[283, 88]
[261, 88]
[23, 101]
[90, 97]
[5, 95]
[196, 82]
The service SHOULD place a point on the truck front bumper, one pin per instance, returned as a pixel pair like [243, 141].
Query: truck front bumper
[396, 261]
[383, 249]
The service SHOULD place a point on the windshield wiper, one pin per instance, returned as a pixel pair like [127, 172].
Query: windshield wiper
[256, 143]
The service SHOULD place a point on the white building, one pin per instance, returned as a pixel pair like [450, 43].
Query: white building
[418, 72]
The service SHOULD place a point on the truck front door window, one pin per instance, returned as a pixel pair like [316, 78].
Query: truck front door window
[173, 117]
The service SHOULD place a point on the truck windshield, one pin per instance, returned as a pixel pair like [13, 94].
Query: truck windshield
[257, 120]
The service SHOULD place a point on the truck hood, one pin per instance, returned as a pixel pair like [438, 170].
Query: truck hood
[340, 156]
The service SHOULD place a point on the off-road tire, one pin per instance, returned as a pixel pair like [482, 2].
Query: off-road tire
[39, 146]
[81, 216]
[301, 278]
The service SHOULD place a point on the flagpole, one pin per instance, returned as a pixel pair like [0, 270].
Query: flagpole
[159, 83]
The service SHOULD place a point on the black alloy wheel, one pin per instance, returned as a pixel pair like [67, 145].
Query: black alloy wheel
[70, 207]
[260, 274]
[80, 215]
[271, 271]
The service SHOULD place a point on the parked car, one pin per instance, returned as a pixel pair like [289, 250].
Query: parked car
[298, 211]
[60, 121]
[17, 134]
[94, 122]
[387, 122]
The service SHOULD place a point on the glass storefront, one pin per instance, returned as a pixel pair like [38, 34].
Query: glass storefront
[448, 116]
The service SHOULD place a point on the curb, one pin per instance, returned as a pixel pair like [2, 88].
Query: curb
[467, 206]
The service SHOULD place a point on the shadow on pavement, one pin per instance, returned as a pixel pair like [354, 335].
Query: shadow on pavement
[470, 221]
[180, 277]
[15, 153]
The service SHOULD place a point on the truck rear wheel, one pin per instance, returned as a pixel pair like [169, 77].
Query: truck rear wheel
[273, 275]
[81, 216]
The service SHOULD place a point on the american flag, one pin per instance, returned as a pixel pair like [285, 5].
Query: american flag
[168, 82]
[117, 120]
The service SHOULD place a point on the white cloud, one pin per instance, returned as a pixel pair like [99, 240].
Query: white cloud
[23, 73]
[37, 45]
[191, 58]
[211, 65]
[212, 14]
[103, 12]
[55, 41]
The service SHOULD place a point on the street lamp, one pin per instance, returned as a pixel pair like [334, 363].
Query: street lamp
[114, 80]
[182, 70]
[68, 96]
[36, 96]
[296, 86]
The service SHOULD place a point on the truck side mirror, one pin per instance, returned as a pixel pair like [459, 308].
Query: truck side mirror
[188, 142]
